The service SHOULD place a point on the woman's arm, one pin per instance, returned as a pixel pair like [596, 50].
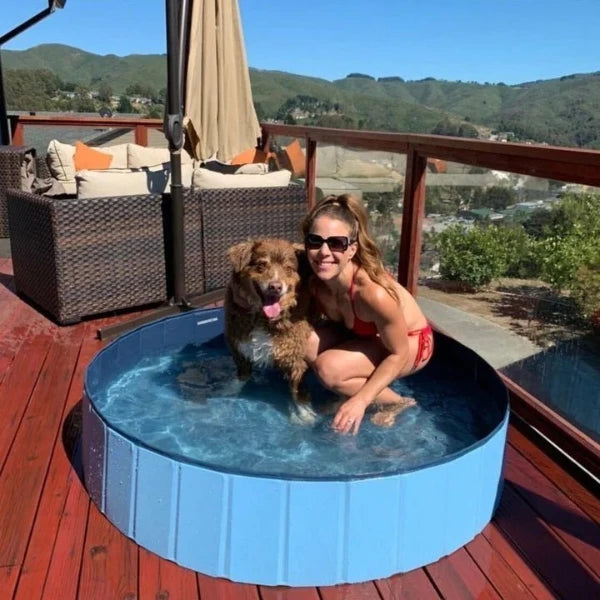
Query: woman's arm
[380, 308]
[389, 319]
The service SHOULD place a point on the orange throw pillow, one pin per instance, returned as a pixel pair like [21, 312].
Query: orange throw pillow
[89, 158]
[252, 155]
[296, 159]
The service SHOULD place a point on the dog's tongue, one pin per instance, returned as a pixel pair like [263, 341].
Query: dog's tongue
[271, 308]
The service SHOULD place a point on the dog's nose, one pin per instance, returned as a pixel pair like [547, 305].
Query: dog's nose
[275, 287]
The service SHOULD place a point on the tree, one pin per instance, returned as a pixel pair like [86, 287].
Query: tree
[495, 197]
[105, 93]
[124, 105]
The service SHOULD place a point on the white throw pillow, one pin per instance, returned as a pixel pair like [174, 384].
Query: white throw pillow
[207, 179]
[139, 157]
[128, 182]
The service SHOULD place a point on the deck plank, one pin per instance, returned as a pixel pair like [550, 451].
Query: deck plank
[543, 549]
[355, 591]
[412, 585]
[62, 486]
[62, 580]
[160, 579]
[8, 580]
[18, 385]
[505, 581]
[501, 544]
[288, 593]
[56, 544]
[223, 589]
[457, 576]
[579, 494]
[571, 524]
[110, 562]
[25, 469]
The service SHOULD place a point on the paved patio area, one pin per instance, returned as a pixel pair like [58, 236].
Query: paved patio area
[497, 345]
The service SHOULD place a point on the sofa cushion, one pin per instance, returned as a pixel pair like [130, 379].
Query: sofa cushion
[252, 169]
[128, 182]
[139, 157]
[206, 179]
[60, 160]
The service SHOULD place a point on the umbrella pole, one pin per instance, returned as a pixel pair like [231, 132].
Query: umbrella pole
[176, 12]
[177, 16]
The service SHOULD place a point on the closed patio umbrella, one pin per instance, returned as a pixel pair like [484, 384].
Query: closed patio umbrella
[219, 114]
[217, 105]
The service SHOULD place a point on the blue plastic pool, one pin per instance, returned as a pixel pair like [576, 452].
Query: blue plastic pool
[210, 473]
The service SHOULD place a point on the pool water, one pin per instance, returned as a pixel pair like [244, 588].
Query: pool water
[190, 406]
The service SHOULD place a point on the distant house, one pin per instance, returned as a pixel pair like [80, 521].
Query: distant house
[482, 214]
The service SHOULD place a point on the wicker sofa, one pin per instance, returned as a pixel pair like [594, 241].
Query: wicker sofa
[78, 257]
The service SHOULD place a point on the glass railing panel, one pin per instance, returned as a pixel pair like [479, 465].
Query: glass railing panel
[511, 264]
[375, 177]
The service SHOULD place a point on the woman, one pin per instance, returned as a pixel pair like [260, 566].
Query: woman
[374, 331]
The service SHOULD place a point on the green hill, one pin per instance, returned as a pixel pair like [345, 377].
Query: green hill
[564, 111]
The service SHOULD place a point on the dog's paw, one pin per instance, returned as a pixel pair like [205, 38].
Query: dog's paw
[303, 414]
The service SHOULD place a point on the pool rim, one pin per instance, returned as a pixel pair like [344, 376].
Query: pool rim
[282, 476]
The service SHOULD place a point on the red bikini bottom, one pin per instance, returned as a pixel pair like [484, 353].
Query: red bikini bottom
[425, 349]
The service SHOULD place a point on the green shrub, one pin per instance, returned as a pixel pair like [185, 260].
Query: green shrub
[472, 257]
[521, 253]
[585, 290]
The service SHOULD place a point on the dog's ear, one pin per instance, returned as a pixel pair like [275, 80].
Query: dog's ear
[240, 255]
[304, 269]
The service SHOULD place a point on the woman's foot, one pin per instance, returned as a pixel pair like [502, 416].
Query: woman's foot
[385, 415]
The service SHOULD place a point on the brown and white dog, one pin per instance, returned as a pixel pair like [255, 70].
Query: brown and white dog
[266, 308]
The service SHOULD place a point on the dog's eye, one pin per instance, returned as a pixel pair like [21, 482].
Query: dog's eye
[260, 266]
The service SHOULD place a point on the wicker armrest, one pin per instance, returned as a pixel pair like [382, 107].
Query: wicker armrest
[41, 167]
[234, 215]
[75, 258]
[11, 159]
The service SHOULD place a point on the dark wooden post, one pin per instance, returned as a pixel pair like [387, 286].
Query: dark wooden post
[412, 217]
[311, 171]
[141, 135]
[17, 135]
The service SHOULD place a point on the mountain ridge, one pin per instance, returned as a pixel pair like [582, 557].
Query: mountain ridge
[561, 111]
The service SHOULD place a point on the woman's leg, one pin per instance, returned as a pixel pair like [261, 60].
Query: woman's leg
[344, 369]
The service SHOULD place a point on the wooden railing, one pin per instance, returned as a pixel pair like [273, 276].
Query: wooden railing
[570, 165]
[140, 126]
[564, 164]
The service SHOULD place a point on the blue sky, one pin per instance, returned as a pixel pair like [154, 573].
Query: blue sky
[470, 40]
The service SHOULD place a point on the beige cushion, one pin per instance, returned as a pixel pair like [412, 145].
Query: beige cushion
[139, 157]
[128, 182]
[206, 179]
[60, 160]
[253, 169]
[62, 167]
[69, 185]
[119, 153]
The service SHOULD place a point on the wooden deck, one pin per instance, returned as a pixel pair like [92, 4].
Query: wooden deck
[544, 541]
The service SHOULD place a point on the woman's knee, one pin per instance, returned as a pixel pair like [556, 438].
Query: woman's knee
[328, 371]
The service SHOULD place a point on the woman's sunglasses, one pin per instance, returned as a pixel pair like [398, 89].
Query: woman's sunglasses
[336, 243]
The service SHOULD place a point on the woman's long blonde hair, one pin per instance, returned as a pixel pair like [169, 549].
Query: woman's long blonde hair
[350, 210]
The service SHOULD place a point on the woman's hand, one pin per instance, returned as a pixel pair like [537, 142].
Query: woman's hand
[349, 416]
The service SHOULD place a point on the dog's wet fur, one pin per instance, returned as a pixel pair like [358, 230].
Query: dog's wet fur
[266, 314]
